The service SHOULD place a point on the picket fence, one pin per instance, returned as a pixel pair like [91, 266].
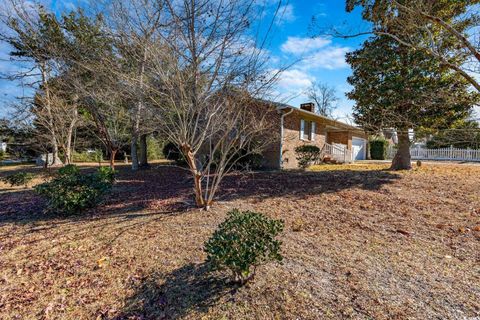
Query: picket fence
[441, 154]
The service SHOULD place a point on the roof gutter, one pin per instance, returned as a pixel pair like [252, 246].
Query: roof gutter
[280, 160]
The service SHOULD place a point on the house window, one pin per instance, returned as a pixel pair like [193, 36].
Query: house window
[307, 130]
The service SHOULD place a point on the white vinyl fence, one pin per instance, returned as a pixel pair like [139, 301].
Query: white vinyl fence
[441, 154]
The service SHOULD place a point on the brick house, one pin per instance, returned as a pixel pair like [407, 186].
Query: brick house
[338, 141]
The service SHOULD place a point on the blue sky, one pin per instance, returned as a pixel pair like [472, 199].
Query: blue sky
[318, 58]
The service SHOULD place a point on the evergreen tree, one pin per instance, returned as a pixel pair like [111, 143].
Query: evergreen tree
[397, 87]
[445, 30]
[38, 40]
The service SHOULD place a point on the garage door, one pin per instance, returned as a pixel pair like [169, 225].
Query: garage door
[359, 148]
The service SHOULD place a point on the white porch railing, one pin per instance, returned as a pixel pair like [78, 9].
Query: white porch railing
[457, 154]
[337, 152]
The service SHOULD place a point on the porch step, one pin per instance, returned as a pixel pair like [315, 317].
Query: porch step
[329, 159]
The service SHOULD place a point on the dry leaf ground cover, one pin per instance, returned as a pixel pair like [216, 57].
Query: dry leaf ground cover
[360, 242]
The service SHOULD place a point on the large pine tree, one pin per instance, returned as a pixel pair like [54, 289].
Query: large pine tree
[402, 88]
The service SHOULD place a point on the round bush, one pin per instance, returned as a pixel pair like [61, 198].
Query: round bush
[71, 191]
[244, 241]
[307, 155]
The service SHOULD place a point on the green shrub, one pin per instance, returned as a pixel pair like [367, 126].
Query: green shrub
[244, 240]
[378, 149]
[71, 191]
[172, 152]
[241, 160]
[19, 179]
[307, 155]
[154, 148]
[106, 174]
[251, 161]
[95, 156]
[68, 170]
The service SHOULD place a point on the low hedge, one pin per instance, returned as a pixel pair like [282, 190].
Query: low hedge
[378, 149]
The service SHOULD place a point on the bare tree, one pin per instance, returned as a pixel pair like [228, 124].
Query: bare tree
[101, 97]
[60, 111]
[136, 25]
[324, 97]
[209, 74]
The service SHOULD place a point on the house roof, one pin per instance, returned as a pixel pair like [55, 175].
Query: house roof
[334, 123]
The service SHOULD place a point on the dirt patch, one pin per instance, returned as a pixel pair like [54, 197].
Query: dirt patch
[359, 243]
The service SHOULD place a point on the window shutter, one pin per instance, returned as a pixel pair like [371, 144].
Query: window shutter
[312, 131]
[302, 128]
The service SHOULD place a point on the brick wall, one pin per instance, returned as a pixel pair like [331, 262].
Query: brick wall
[292, 138]
[271, 154]
[343, 137]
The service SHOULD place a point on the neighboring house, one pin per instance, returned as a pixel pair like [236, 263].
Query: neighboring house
[3, 147]
[301, 126]
[390, 134]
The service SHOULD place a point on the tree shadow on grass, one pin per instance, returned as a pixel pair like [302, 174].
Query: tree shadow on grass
[298, 184]
[191, 288]
[169, 189]
[156, 191]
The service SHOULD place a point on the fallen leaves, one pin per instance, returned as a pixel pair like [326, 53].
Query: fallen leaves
[102, 262]
[361, 243]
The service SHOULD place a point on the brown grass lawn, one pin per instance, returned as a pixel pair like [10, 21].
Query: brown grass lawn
[360, 242]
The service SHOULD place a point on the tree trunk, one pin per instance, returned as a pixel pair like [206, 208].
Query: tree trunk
[143, 157]
[402, 160]
[133, 150]
[112, 158]
[71, 129]
[45, 165]
[55, 158]
[138, 111]
[190, 158]
[68, 154]
[53, 139]
[68, 148]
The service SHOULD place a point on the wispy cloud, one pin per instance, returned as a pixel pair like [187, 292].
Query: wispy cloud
[286, 14]
[292, 84]
[298, 46]
[329, 58]
[294, 79]
[316, 53]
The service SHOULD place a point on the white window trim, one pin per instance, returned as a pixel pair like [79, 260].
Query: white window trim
[302, 129]
[312, 130]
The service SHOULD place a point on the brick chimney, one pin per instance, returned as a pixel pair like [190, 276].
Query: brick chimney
[310, 106]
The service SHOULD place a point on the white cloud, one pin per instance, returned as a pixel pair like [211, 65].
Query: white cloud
[328, 58]
[298, 46]
[286, 14]
[316, 53]
[291, 85]
[294, 79]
